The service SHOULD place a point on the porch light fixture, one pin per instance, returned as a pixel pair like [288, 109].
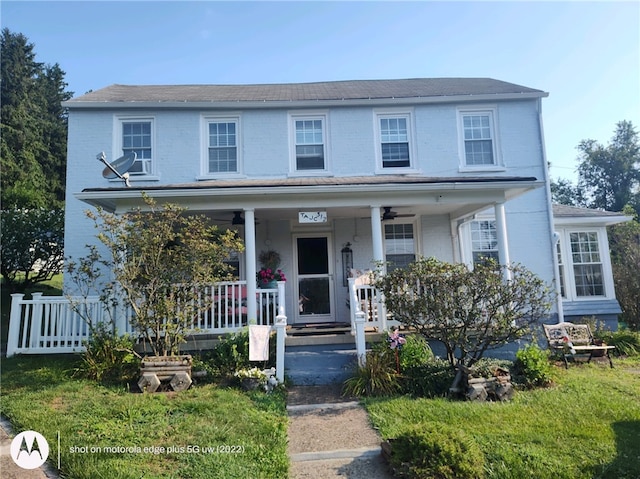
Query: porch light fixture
[347, 263]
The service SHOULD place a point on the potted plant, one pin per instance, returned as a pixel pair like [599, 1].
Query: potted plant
[269, 273]
[253, 378]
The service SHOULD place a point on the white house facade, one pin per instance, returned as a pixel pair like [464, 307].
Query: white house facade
[336, 177]
[389, 169]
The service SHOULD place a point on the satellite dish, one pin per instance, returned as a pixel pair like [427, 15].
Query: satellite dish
[119, 168]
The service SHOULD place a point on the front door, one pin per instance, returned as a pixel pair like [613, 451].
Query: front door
[314, 279]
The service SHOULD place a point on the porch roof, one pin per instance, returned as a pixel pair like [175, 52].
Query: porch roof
[457, 196]
[564, 215]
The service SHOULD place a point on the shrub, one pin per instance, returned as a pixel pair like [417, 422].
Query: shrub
[468, 311]
[415, 352]
[231, 354]
[533, 364]
[378, 377]
[108, 356]
[626, 342]
[431, 379]
[436, 451]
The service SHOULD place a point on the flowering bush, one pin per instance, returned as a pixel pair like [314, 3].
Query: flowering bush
[250, 373]
[266, 275]
[265, 377]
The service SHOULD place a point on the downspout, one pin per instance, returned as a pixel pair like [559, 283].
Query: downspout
[554, 237]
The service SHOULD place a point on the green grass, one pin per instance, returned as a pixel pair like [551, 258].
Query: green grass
[41, 394]
[586, 426]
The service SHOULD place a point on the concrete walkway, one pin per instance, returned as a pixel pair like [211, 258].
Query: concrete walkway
[8, 468]
[330, 436]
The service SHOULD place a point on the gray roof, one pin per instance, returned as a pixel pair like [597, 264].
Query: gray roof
[318, 91]
[564, 211]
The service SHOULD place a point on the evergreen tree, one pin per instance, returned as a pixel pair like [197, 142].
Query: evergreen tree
[33, 127]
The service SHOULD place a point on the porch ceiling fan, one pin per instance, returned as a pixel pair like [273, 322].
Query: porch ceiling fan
[237, 220]
[389, 214]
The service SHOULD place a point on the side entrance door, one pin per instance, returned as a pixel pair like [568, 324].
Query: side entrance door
[314, 282]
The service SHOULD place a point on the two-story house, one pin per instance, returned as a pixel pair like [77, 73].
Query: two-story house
[384, 170]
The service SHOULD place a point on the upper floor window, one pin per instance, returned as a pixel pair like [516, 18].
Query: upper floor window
[484, 241]
[137, 136]
[309, 139]
[478, 142]
[394, 133]
[222, 146]
[399, 243]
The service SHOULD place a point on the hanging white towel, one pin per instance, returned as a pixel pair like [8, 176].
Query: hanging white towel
[259, 342]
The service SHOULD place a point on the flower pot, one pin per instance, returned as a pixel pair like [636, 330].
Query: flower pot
[273, 284]
[250, 384]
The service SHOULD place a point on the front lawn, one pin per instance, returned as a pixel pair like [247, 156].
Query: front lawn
[108, 432]
[586, 426]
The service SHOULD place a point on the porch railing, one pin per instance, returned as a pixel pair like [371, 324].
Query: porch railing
[364, 297]
[51, 324]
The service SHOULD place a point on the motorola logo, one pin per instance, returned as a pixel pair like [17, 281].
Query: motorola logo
[29, 449]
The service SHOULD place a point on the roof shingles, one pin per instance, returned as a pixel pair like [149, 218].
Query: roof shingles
[319, 91]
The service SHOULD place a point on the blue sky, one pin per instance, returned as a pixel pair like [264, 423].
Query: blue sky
[585, 54]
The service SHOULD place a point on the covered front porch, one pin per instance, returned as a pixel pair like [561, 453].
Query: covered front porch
[329, 232]
[326, 229]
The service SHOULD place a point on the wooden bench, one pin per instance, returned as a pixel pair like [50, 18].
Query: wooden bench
[571, 340]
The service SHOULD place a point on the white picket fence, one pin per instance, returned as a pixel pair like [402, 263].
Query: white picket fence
[51, 324]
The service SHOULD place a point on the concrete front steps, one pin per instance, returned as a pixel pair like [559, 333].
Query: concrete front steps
[330, 436]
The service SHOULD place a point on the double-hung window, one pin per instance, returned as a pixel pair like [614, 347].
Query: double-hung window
[484, 241]
[222, 146]
[400, 249]
[478, 138]
[136, 135]
[584, 266]
[309, 143]
[587, 264]
[394, 134]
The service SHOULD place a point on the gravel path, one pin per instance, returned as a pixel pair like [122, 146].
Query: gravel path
[330, 436]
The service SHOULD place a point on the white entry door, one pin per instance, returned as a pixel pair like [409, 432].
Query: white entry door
[314, 279]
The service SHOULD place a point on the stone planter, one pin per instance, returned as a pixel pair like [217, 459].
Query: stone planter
[174, 370]
[250, 384]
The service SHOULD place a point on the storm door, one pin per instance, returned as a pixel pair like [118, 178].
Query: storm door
[314, 279]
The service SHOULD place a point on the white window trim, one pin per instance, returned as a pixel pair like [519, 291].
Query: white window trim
[498, 165]
[408, 114]
[567, 261]
[465, 241]
[204, 145]
[323, 116]
[118, 120]
[417, 234]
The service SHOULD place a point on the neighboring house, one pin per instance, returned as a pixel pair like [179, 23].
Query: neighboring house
[389, 169]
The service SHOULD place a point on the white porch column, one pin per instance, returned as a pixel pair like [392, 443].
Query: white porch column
[250, 263]
[503, 240]
[376, 235]
[378, 257]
